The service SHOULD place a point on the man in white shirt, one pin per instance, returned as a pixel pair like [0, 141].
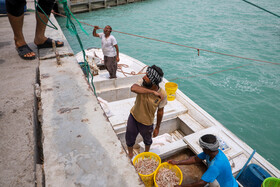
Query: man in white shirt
[110, 49]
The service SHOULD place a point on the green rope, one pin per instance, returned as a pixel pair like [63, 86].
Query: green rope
[261, 8]
[72, 28]
[37, 5]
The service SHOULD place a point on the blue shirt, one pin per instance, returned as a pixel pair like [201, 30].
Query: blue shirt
[218, 168]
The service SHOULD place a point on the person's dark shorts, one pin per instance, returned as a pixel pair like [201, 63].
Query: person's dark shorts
[16, 7]
[111, 65]
[133, 128]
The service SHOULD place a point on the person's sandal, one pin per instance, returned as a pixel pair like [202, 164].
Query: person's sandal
[48, 44]
[24, 50]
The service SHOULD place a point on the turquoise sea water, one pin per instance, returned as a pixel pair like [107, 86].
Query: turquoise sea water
[246, 97]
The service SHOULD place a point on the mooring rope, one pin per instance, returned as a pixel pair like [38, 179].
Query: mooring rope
[261, 8]
[36, 10]
[72, 28]
[172, 43]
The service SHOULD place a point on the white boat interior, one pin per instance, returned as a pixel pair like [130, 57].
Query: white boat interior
[183, 119]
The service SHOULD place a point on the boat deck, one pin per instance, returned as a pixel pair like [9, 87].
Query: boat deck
[182, 117]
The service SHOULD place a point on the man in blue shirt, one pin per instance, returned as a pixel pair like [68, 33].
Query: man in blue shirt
[218, 165]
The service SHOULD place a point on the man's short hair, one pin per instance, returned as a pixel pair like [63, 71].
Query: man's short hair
[109, 27]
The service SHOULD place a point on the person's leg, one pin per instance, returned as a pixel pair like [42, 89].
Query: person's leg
[131, 134]
[40, 37]
[114, 67]
[130, 152]
[106, 62]
[16, 17]
[147, 148]
[111, 65]
[47, 6]
[146, 132]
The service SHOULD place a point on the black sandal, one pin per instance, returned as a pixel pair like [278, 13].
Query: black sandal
[48, 44]
[24, 50]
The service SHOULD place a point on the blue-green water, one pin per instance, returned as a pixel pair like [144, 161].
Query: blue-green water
[246, 99]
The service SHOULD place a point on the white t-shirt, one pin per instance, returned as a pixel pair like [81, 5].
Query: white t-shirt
[108, 45]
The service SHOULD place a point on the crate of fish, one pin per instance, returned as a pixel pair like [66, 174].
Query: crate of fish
[146, 164]
[168, 175]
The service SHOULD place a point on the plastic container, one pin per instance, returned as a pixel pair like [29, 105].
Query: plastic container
[147, 179]
[253, 176]
[271, 182]
[174, 168]
[3, 7]
[170, 88]
[222, 144]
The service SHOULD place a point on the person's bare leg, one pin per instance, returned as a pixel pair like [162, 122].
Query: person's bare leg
[147, 148]
[40, 37]
[130, 152]
[17, 25]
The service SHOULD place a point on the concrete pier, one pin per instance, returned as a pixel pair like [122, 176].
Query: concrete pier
[17, 108]
[80, 147]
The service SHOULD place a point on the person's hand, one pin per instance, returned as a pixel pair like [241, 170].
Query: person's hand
[118, 59]
[96, 27]
[172, 162]
[159, 95]
[156, 131]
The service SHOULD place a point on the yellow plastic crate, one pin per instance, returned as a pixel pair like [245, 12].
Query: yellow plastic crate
[147, 179]
[174, 168]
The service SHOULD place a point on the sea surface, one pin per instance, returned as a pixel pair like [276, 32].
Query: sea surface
[241, 94]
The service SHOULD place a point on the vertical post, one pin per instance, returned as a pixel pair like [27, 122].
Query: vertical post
[69, 5]
[89, 5]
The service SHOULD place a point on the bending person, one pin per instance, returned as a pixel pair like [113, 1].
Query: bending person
[15, 9]
[218, 165]
[110, 49]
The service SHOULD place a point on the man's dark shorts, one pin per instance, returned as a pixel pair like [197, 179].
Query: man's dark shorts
[16, 7]
[133, 128]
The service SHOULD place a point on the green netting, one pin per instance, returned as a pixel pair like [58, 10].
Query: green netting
[72, 28]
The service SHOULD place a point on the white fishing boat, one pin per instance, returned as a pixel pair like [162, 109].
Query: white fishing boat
[184, 122]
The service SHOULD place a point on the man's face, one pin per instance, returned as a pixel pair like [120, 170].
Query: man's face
[146, 82]
[107, 30]
[206, 151]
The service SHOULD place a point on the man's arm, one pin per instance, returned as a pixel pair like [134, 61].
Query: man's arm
[159, 119]
[94, 31]
[117, 50]
[141, 90]
[200, 183]
[191, 160]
